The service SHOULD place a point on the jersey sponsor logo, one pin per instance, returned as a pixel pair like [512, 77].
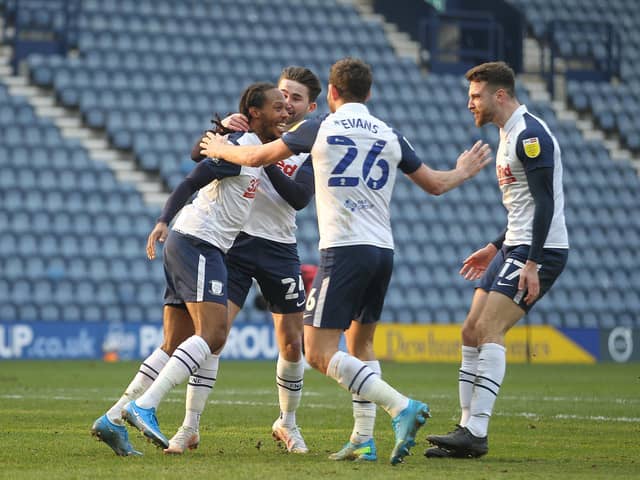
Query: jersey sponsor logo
[531, 147]
[215, 287]
[359, 205]
[505, 175]
[288, 169]
[250, 192]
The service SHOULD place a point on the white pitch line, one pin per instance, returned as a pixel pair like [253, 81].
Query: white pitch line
[333, 406]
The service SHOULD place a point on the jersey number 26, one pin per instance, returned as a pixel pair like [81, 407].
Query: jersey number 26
[337, 178]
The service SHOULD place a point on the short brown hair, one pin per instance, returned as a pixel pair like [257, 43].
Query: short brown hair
[352, 77]
[305, 77]
[496, 74]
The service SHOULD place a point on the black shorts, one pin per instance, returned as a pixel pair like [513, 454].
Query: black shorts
[350, 285]
[503, 273]
[274, 265]
[194, 271]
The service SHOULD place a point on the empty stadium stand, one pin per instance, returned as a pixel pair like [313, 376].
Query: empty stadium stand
[151, 73]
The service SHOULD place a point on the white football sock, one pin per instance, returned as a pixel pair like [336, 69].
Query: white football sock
[353, 375]
[198, 390]
[289, 378]
[186, 360]
[148, 372]
[364, 411]
[468, 370]
[491, 368]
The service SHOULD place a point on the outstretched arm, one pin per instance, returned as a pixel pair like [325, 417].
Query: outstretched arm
[469, 163]
[215, 146]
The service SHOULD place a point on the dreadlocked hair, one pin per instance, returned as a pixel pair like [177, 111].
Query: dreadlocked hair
[220, 129]
[252, 96]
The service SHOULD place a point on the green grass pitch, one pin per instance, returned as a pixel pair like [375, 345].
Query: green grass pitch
[564, 422]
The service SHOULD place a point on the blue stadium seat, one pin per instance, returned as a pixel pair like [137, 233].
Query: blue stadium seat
[8, 312]
[129, 80]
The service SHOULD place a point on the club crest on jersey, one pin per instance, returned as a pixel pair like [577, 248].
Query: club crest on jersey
[531, 147]
[215, 287]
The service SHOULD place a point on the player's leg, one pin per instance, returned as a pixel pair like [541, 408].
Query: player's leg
[499, 314]
[361, 445]
[345, 276]
[199, 387]
[289, 379]
[504, 307]
[469, 365]
[201, 383]
[110, 428]
[277, 271]
[321, 349]
[469, 354]
[210, 324]
[199, 276]
[466, 373]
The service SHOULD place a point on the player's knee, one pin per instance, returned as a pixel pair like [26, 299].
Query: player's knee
[292, 350]
[215, 337]
[469, 334]
[362, 351]
[485, 329]
[168, 346]
[316, 361]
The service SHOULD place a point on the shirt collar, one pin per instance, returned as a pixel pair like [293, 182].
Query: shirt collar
[515, 116]
[353, 107]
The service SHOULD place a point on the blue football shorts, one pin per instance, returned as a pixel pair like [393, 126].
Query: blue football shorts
[194, 271]
[503, 273]
[274, 265]
[350, 285]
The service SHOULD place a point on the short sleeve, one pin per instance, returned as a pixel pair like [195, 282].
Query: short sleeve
[301, 137]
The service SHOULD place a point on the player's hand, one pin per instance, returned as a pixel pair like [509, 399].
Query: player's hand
[158, 234]
[476, 264]
[237, 122]
[470, 162]
[529, 281]
[209, 142]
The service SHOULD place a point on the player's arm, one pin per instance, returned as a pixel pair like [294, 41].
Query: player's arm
[437, 182]
[499, 240]
[214, 146]
[236, 122]
[474, 266]
[196, 156]
[204, 173]
[299, 139]
[539, 172]
[540, 183]
[296, 192]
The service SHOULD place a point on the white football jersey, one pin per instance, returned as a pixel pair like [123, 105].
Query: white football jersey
[525, 140]
[271, 216]
[355, 160]
[221, 208]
